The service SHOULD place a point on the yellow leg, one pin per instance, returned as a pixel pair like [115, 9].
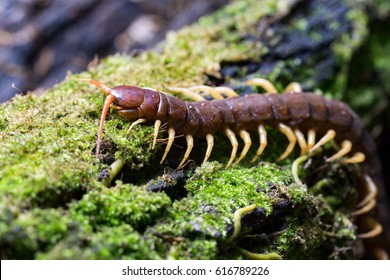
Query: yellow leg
[375, 231]
[135, 123]
[325, 139]
[237, 219]
[372, 191]
[356, 158]
[247, 141]
[171, 137]
[115, 168]
[186, 92]
[233, 140]
[311, 139]
[380, 254]
[265, 84]
[365, 209]
[263, 142]
[190, 145]
[286, 130]
[227, 91]
[293, 87]
[157, 125]
[211, 91]
[301, 141]
[257, 256]
[297, 163]
[210, 144]
[346, 147]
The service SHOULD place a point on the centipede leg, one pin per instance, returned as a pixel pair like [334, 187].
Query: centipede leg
[171, 137]
[293, 87]
[365, 209]
[297, 163]
[301, 141]
[237, 219]
[210, 144]
[263, 142]
[311, 139]
[233, 140]
[227, 91]
[376, 229]
[372, 191]
[135, 123]
[247, 141]
[157, 125]
[325, 139]
[346, 147]
[356, 158]
[380, 254]
[369, 202]
[265, 84]
[190, 145]
[186, 92]
[213, 93]
[286, 130]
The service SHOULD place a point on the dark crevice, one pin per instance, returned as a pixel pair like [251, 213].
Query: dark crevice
[287, 42]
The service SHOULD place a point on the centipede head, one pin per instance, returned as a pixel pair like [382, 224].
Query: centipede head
[126, 100]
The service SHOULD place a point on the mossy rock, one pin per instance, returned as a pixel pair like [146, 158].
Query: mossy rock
[55, 205]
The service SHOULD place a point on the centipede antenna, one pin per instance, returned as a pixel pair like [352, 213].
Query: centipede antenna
[107, 102]
[105, 88]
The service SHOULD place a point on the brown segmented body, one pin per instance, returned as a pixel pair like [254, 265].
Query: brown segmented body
[298, 111]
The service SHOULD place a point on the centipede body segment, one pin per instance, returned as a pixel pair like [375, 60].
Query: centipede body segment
[306, 119]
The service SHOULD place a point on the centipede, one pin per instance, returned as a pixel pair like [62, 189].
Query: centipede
[308, 120]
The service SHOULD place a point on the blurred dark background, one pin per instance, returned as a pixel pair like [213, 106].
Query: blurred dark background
[40, 40]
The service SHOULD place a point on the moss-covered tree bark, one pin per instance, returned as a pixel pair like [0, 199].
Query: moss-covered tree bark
[54, 203]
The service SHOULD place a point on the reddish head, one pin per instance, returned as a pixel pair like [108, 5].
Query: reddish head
[126, 98]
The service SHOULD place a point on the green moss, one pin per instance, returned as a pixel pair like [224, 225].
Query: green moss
[300, 240]
[122, 204]
[118, 242]
[22, 235]
[199, 249]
